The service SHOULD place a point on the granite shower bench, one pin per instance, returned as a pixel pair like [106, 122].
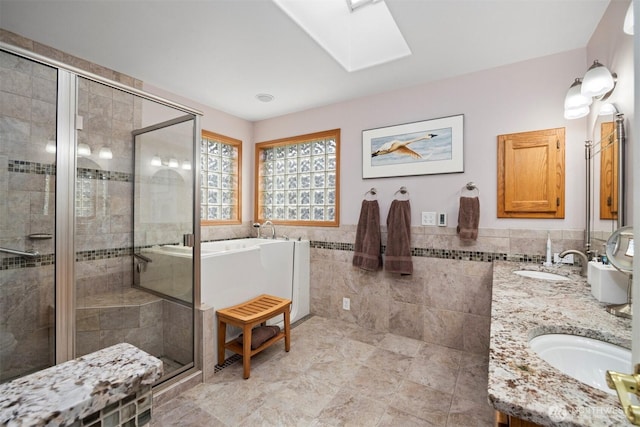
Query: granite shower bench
[111, 386]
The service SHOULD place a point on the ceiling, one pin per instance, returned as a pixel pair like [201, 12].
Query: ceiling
[221, 53]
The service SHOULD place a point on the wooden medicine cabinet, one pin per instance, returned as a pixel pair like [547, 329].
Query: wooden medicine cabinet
[531, 173]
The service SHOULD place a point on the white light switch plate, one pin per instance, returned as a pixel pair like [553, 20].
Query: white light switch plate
[428, 218]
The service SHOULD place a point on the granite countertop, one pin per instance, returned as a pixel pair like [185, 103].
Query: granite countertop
[520, 382]
[72, 390]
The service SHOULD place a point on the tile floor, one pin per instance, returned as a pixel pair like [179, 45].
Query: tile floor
[338, 374]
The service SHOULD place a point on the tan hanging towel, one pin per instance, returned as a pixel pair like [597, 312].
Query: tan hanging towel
[468, 218]
[367, 247]
[397, 255]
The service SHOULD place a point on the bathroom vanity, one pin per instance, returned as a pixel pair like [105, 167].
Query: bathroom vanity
[522, 386]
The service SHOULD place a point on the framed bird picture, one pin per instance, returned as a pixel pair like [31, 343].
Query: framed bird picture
[421, 148]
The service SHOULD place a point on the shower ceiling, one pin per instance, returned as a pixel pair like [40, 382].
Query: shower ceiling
[222, 53]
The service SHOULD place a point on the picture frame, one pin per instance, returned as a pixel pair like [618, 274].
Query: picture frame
[427, 147]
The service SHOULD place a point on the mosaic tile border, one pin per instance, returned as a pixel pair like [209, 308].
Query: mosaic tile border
[11, 263]
[22, 166]
[454, 254]
[36, 168]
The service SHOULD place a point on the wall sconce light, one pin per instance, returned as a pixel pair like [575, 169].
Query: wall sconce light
[598, 82]
[628, 21]
[105, 153]
[84, 150]
[156, 161]
[186, 165]
[173, 163]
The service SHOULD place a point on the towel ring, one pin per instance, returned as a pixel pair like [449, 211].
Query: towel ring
[403, 192]
[471, 187]
[372, 192]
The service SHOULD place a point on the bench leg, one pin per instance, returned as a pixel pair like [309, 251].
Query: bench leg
[222, 337]
[287, 329]
[246, 351]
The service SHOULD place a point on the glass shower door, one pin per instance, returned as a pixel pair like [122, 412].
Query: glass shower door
[27, 215]
[164, 230]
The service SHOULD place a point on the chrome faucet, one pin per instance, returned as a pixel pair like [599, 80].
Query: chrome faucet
[583, 258]
[273, 229]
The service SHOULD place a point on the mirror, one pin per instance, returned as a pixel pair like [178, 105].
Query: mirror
[620, 249]
[605, 181]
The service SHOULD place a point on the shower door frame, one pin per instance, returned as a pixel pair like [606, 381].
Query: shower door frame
[66, 124]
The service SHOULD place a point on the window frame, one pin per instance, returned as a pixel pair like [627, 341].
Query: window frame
[294, 140]
[238, 145]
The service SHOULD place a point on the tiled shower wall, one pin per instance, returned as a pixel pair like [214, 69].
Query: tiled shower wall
[103, 237]
[27, 207]
[446, 301]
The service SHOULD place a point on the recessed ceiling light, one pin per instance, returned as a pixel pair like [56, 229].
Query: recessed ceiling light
[264, 97]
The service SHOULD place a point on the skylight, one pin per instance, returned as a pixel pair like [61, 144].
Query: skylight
[357, 38]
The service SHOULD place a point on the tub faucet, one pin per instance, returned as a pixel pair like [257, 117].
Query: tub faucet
[273, 229]
[256, 225]
[583, 259]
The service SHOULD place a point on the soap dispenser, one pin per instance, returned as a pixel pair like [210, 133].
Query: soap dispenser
[548, 262]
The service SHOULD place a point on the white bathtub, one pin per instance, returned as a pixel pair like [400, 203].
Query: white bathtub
[234, 271]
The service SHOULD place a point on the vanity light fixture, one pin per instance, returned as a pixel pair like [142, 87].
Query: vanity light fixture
[607, 109]
[173, 163]
[598, 82]
[156, 161]
[105, 153]
[186, 165]
[628, 21]
[50, 147]
[576, 105]
[84, 150]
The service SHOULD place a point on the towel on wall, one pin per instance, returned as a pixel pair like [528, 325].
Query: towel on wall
[397, 256]
[468, 218]
[367, 247]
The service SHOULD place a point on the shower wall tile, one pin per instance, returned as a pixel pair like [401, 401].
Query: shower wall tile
[15, 106]
[120, 318]
[15, 78]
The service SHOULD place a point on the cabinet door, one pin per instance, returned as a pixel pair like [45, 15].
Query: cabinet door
[531, 174]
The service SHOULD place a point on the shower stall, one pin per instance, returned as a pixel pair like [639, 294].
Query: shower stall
[91, 173]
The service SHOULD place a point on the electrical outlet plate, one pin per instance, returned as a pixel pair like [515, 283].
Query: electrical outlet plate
[428, 218]
[346, 303]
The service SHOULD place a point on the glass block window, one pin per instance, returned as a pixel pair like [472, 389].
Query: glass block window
[85, 196]
[297, 180]
[220, 166]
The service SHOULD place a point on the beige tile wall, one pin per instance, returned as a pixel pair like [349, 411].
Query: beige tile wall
[446, 301]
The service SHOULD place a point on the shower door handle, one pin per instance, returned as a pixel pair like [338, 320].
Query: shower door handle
[189, 240]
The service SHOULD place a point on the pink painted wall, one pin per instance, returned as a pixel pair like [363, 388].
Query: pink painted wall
[217, 121]
[514, 98]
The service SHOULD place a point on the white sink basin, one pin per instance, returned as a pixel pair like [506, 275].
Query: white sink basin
[585, 359]
[540, 275]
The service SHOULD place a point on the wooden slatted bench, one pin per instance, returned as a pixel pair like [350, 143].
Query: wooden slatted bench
[247, 315]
